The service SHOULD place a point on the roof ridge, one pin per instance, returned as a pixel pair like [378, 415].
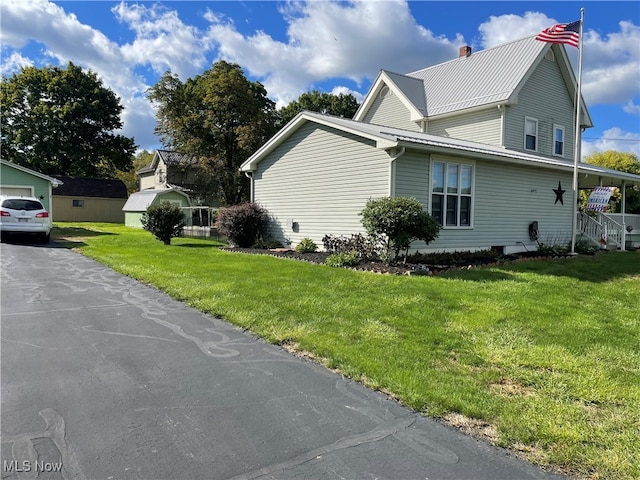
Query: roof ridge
[475, 54]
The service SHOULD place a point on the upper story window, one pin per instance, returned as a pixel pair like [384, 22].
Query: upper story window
[451, 193]
[558, 140]
[530, 134]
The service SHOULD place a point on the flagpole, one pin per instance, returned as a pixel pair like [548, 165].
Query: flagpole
[578, 140]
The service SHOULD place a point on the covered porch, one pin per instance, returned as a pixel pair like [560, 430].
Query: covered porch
[613, 231]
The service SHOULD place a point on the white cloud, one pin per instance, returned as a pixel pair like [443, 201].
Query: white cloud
[318, 49]
[613, 139]
[611, 65]
[14, 63]
[507, 28]
[631, 108]
[162, 40]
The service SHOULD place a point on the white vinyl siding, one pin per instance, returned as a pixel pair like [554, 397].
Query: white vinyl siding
[484, 126]
[390, 111]
[412, 174]
[506, 199]
[543, 97]
[318, 181]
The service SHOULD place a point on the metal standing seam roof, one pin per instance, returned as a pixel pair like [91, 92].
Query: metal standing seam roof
[139, 201]
[169, 157]
[485, 77]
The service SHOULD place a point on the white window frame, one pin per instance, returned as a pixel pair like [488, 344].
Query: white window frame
[559, 128]
[536, 137]
[458, 195]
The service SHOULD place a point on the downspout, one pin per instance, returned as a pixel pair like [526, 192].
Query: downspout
[392, 171]
[501, 109]
[249, 175]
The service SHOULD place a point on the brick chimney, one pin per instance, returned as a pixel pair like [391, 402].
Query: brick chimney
[465, 51]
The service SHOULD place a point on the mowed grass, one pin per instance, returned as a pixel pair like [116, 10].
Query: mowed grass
[542, 357]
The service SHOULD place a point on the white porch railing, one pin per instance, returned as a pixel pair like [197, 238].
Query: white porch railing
[601, 230]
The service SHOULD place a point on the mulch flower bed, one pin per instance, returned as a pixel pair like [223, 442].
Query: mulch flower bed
[425, 264]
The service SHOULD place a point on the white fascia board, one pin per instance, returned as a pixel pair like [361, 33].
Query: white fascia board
[54, 181]
[384, 79]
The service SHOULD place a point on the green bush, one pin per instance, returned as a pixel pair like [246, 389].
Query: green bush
[242, 224]
[306, 245]
[164, 220]
[344, 259]
[365, 246]
[398, 221]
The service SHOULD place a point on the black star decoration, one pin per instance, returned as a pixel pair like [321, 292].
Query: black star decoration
[559, 192]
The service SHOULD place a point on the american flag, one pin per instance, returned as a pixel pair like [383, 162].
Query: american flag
[568, 33]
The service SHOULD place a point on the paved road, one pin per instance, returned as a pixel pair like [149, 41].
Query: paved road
[118, 381]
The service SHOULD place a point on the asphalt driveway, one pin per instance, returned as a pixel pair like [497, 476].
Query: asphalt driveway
[106, 378]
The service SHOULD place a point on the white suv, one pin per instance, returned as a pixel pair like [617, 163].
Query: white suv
[24, 215]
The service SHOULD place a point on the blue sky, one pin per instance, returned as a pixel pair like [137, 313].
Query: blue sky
[294, 47]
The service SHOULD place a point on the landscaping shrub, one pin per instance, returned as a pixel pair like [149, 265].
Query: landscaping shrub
[343, 259]
[306, 245]
[164, 220]
[242, 224]
[398, 221]
[365, 247]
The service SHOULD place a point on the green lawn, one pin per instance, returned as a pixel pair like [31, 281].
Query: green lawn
[542, 357]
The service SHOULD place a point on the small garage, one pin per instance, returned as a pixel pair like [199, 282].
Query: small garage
[138, 203]
[89, 200]
[24, 182]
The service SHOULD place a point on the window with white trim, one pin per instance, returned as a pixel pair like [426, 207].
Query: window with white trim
[531, 134]
[451, 193]
[558, 140]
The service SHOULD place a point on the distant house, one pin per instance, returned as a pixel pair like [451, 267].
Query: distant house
[22, 181]
[138, 203]
[169, 169]
[89, 200]
[484, 141]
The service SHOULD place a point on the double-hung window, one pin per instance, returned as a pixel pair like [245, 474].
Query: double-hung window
[451, 193]
[531, 134]
[558, 140]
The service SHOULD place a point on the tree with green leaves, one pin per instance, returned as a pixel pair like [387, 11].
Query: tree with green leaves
[129, 177]
[164, 220]
[219, 117]
[340, 105]
[62, 121]
[398, 221]
[623, 162]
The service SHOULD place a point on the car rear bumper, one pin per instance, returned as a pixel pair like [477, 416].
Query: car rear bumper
[25, 228]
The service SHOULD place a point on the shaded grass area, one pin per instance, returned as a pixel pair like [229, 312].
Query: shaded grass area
[546, 353]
